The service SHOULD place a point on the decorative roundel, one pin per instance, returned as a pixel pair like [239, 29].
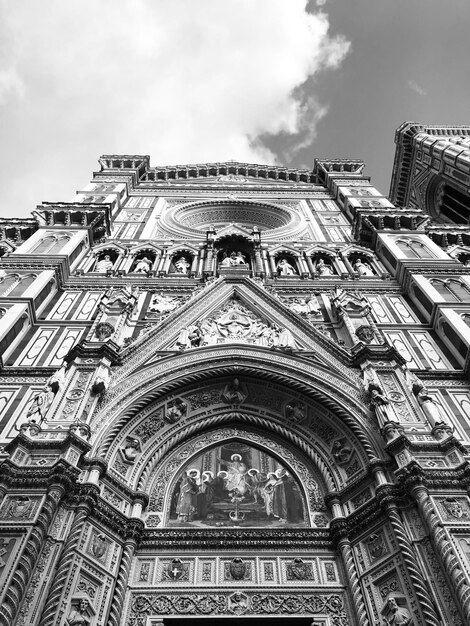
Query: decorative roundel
[197, 217]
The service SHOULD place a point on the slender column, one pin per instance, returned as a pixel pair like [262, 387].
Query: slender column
[200, 266]
[194, 265]
[412, 565]
[166, 264]
[444, 548]
[310, 265]
[339, 530]
[344, 546]
[17, 587]
[273, 264]
[265, 263]
[48, 617]
[121, 582]
[258, 263]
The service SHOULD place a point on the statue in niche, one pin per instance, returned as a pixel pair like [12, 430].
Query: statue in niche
[431, 409]
[233, 259]
[57, 380]
[323, 269]
[98, 546]
[143, 266]
[40, 405]
[382, 407]
[284, 268]
[78, 616]
[182, 266]
[104, 264]
[234, 392]
[397, 615]
[363, 268]
[131, 450]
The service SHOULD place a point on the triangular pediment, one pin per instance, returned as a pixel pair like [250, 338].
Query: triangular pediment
[237, 311]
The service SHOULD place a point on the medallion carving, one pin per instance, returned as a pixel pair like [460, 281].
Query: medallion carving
[299, 570]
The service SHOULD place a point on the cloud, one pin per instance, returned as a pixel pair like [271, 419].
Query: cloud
[11, 85]
[184, 81]
[416, 88]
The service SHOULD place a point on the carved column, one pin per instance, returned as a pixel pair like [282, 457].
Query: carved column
[48, 617]
[443, 548]
[134, 534]
[389, 505]
[36, 541]
[339, 531]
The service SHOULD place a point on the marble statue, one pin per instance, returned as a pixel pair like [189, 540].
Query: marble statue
[323, 269]
[40, 405]
[431, 409]
[104, 264]
[284, 268]
[78, 615]
[182, 266]
[397, 615]
[363, 268]
[382, 407]
[143, 266]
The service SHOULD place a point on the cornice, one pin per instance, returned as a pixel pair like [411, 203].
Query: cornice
[287, 539]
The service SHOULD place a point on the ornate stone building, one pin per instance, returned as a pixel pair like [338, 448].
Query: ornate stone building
[238, 394]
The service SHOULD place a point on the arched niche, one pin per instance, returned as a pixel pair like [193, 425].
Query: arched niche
[287, 490]
[144, 395]
[234, 251]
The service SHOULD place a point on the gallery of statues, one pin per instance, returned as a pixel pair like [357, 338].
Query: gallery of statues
[238, 395]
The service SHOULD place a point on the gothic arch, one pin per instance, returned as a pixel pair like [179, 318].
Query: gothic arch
[338, 392]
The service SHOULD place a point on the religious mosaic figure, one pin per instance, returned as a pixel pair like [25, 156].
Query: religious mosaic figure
[186, 506]
[284, 268]
[234, 492]
[104, 264]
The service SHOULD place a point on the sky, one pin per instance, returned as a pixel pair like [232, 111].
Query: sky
[195, 81]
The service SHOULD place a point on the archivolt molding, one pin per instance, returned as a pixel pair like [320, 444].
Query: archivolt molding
[158, 478]
[337, 393]
[314, 438]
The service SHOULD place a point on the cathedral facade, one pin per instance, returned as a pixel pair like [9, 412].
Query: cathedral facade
[239, 394]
